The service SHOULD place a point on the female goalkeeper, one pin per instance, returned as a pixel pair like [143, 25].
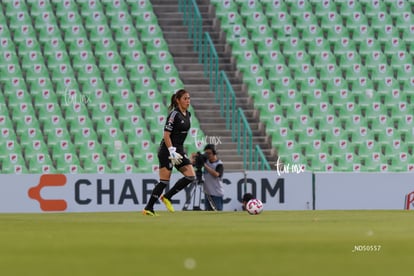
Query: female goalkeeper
[171, 153]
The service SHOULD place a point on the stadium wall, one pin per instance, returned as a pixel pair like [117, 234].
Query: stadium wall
[28, 193]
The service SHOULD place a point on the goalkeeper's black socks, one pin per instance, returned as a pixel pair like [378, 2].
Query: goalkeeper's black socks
[156, 193]
[179, 185]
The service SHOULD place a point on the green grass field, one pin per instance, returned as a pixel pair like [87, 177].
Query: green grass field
[208, 243]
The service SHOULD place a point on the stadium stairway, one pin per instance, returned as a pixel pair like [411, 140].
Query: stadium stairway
[191, 73]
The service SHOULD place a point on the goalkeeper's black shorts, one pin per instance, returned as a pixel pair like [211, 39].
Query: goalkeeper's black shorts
[165, 162]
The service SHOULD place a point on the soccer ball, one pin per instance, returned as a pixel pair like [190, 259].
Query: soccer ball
[254, 206]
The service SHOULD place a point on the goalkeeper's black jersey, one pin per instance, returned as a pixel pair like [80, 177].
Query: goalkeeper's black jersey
[178, 124]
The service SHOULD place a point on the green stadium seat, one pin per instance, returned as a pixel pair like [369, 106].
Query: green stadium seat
[134, 58]
[79, 45]
[373, 8]
[246, 59]
[14, 164]
[305, 19]
[329, 20]
[400, 110]
[354, 72]
[372, 60]
[123, 99]
[304, 72]
[386, 33]
[69, 19]
[28, 45]
[402, 162]
[297, 59]
[100, 31]
[156, 45]
[10, 71]
[386, 85]
[394, 97]
[94, 18]
[81, 58]
[349, 59]
[278, 72]
[223, 8]
[293, 45]
[8, 144]
[139, 7]
[113, 72]
[322, 57]
[361, 85]
[9, 57]
[274, 7]
[298, 8]
[382, 72]
[336, 33]
[37, 71]
[53, 45]
[124, 32]
[269, 51]
[33, 149]
[90, 7]
[45, 21]
[280, 20]
[24, 32]
[314, 97]
[100, 110]
[290, 153]
[284, 34]
[134, 136]
[380, 20]
[57, 59]
[103, 123]
[394, 46]
[96, 163]
[269, 57]
[405, 21]
[68, 163]
[343, 46]
[259, 32]
[328, 72]
[85, 134]
[323, 8]
[123, 163]
[120, 20]
[101, 47]
[79, 123]
[311, 35]
[405, 73]
[355, 20]
[254, 18]
[399, 7]
[362, 33]
[18, 17]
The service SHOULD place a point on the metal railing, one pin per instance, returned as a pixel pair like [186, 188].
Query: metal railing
[224, 93]
[209, 59]
[193, 20]
[227, 106]
[244, 138]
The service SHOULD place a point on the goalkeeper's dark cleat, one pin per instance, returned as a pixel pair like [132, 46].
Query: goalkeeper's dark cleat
[150, 213]
[167, 203]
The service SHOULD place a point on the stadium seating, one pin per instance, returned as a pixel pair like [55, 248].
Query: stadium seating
[343, 65]
[83, 86]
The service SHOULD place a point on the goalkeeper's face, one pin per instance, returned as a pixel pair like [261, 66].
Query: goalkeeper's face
[184, 101]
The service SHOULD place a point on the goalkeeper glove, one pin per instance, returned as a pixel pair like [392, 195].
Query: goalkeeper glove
[175, 157]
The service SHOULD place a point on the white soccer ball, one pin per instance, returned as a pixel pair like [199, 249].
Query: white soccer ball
[254, 206]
